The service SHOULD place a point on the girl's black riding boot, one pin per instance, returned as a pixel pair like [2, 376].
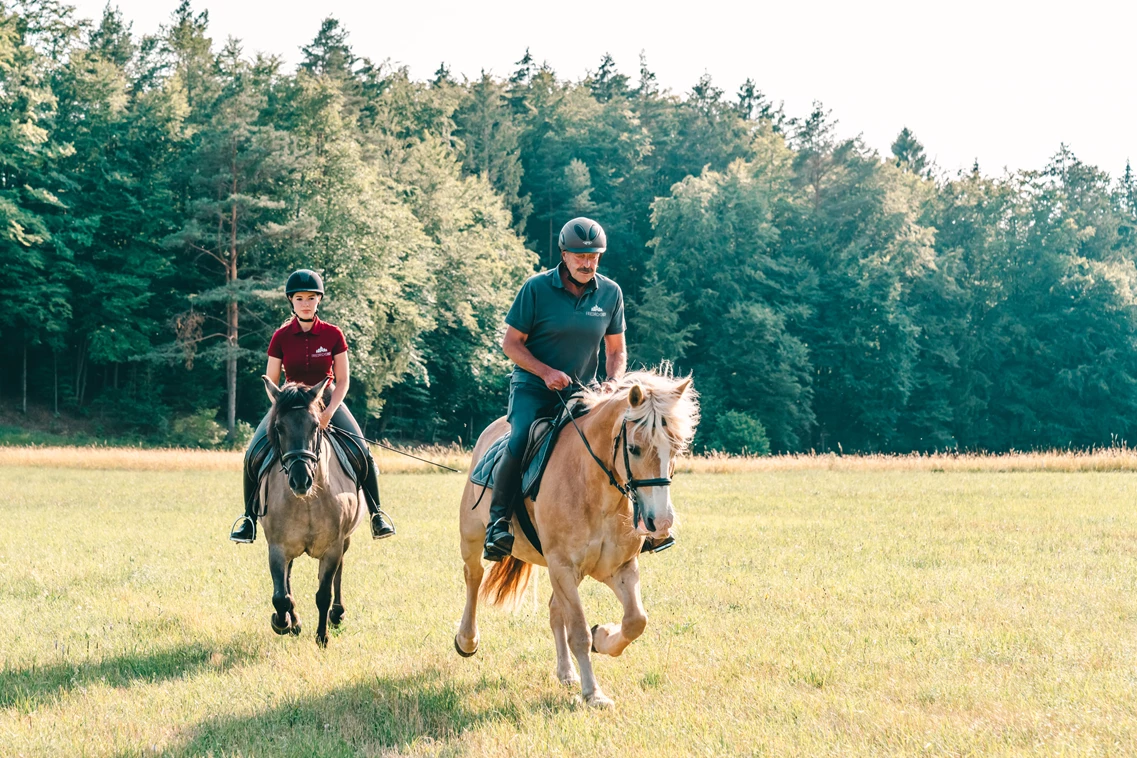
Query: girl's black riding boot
[245, 528]
[506, 488]
[381, 526]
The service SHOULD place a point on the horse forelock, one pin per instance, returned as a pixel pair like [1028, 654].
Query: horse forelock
[664, 413]
[292, 396]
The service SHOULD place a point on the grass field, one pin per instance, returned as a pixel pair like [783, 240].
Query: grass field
[806, 611]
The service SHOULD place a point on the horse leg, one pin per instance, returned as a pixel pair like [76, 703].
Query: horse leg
[291, 603]
[466, 640]
[566, 672]
[337, 612]
[278, 566]
[611, 639]
[565, 589]
[330, 563]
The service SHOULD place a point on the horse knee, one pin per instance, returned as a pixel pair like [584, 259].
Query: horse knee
[634, 626]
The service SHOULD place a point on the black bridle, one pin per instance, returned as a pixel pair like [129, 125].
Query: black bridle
[289, 458]
[630, 488]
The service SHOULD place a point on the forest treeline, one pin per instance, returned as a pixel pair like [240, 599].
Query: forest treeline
[155, 190]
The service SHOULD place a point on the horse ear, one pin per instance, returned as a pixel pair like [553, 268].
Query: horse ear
[323, 391]
[271, 388]
[683, 387]
[636, 396]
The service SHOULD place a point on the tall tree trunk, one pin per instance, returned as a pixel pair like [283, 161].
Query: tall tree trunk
[55, 379]
[231, 325]
[24, 379]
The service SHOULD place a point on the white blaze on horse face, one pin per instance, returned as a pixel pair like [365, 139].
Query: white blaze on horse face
[656, 501]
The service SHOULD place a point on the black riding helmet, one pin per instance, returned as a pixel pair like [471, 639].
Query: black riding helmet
[583, 235]
[304, 280]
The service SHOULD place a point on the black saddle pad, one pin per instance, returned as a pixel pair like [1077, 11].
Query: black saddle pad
[350, 452]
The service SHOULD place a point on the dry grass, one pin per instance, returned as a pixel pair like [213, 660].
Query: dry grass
[138, 459]
[181, 459]
[1101, 459]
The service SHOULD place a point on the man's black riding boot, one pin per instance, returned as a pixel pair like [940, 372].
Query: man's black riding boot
[506, 488]
[245, 528]
[381, 525]
[657, 546]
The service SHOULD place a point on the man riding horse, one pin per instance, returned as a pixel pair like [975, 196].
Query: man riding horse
[553, 333]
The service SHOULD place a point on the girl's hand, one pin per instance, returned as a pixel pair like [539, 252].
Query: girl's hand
[325, 418]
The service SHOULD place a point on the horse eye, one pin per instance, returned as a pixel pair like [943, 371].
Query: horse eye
[634, 450]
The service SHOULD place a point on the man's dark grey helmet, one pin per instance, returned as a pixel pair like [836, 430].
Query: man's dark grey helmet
[304, 280]
[583, 235]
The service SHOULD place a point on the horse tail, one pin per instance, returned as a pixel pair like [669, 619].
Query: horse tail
[506, 583]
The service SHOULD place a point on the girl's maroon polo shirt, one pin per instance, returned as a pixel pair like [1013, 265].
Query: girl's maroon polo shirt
[307, 355]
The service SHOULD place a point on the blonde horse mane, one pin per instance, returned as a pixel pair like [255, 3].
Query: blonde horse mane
[665, 411]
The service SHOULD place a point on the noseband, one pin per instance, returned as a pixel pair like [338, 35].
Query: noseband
[289, 458]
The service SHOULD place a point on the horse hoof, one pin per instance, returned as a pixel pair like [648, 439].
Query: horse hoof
[294, 630]
[337, 614]
[322, 641]
[278, 628]
[600, 700]
[462, 652]
[593, 632]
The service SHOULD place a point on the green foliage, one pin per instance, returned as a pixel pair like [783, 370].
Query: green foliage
[155, 190]
[198, 429]
[738, 433]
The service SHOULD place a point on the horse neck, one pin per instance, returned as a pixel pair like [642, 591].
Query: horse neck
[600, 427]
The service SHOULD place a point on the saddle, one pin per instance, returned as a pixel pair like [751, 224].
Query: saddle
[543, 435]
[350, 453]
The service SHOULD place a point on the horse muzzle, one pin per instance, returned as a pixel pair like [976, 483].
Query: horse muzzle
[655, 526]
[300, 481]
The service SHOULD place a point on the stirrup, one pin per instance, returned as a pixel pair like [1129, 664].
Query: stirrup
[243, 540]
[383, 529]
[650, 546]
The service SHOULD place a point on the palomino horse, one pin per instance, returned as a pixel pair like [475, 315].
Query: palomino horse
[311, 505]
[586, 523]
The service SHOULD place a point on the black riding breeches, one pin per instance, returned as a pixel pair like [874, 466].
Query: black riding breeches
[527, 403]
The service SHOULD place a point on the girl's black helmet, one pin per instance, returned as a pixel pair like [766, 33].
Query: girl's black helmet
[583, 235]
[304, 280]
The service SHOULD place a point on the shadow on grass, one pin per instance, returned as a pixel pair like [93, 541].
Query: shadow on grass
[27, 688]
[426, 708]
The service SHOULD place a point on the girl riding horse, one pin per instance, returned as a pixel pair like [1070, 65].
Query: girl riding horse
[310, 351]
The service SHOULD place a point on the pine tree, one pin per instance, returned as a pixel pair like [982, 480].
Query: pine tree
[909, 153]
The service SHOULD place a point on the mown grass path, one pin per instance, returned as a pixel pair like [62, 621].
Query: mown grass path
[803, 612]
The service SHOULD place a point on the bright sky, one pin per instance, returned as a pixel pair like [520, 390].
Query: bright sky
[1002, 82]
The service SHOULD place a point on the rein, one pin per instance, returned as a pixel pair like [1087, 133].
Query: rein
[629, 489]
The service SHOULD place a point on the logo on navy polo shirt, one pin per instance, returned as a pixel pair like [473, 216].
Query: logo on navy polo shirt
[597, 311]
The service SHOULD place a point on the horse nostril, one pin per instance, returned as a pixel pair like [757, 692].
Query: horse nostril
[649, 522]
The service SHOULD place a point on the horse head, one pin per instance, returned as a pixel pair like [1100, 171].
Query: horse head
[294, 430]
[657, 427]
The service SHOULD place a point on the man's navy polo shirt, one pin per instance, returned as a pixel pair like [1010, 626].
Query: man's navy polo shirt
[307, 355]
[564, 331]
